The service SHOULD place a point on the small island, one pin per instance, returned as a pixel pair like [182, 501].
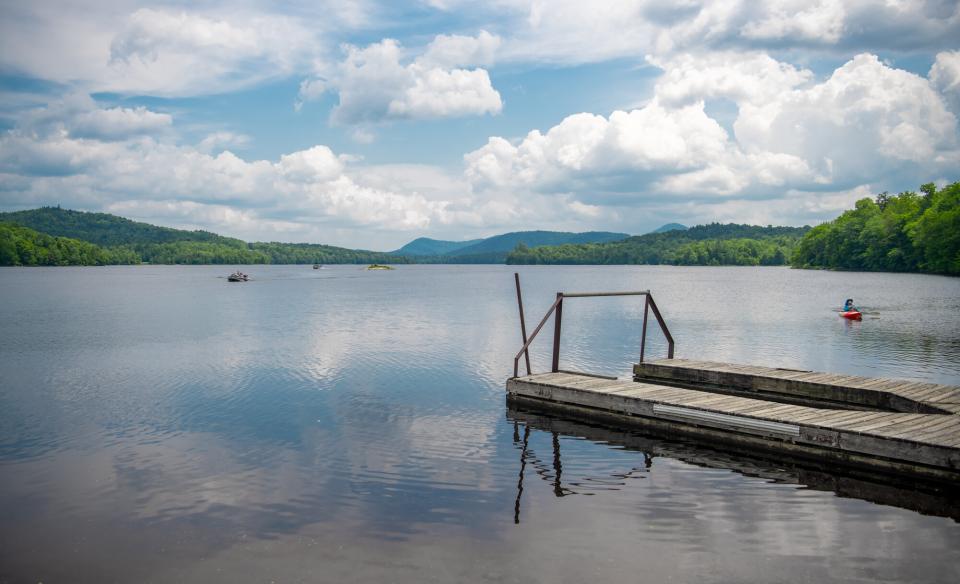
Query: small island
[379, 267]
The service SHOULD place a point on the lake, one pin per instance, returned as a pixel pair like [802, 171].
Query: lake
[160, 424]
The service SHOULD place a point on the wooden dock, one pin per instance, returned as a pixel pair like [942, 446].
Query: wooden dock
[925, 445]
[803, 387]
[890, 425]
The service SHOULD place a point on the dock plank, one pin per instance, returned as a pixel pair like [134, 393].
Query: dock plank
[884, 419]
[864, 392]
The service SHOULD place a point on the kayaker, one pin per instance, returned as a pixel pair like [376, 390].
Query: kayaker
[848, 305]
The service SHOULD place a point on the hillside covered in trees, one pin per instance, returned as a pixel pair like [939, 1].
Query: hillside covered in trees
[52, 236]
[908, 232]
[21, 246]
[105, 229]
[704, 245]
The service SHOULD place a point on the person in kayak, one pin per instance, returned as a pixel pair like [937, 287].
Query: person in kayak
[848, 305]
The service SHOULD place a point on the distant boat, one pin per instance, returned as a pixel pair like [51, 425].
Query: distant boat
[379, 267]
[316, 266]
[238, 276]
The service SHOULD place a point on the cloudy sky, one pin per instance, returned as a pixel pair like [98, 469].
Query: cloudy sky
[367, 124]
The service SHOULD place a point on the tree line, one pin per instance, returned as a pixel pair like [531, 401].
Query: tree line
[714, 244]
[53, 236]
[20, 246]
[908, 232]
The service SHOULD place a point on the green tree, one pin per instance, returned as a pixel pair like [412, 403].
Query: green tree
[904, 232]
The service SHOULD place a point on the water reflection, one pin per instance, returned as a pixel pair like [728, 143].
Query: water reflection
[926, 498]
[159, 425]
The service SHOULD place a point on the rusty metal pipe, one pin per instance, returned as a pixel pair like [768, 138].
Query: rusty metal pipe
[523, 324]
[516, 360]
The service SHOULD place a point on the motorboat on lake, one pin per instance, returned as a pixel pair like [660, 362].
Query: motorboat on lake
[238, 276]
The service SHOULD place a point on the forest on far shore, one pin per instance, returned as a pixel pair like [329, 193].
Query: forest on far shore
[907, 232]
[714, 244]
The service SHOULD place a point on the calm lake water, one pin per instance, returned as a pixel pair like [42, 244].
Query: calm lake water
[158, 424]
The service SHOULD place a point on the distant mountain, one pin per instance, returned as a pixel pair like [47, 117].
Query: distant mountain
[494, 250]
[508, 241]
[670, 227]
[424, 246]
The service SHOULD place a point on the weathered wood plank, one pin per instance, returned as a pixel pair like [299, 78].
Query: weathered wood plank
[862, 426]
[864, 419]
[881, 393]
[907, 423]
[933, 433]
[840, 416]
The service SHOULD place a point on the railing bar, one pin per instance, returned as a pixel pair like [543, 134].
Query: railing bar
[539, 326]
[663, 327]
[589, 294]
[516, 360]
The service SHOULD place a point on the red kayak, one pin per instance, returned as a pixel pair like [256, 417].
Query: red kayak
[852, 315]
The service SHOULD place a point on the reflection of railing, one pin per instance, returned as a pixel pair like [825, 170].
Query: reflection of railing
[557, 306]
[555, 478]
[882, 488]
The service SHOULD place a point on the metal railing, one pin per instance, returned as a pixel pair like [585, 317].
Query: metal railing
[557, 307]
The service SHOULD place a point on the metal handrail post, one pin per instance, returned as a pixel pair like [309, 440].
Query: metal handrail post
[523, 324]
[663, 326]
[643, 334]
[556, 332]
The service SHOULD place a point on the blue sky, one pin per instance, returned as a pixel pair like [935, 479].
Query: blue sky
[367, 124]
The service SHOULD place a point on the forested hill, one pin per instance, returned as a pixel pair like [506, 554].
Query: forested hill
[52, 236]
[22, 246]
[103, 228]
[714, 244]
[909, 232]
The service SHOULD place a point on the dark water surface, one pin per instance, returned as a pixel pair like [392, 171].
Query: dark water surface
[158, 424]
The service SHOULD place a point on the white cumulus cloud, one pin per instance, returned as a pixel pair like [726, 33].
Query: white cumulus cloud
[78, 115]
[945, 77]
[313, 195]
[447, 51]
[752, 77]
[120, 46]
[568, 31]
[374, 84]
[866, 122]
[46, 159]
[817, 20]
